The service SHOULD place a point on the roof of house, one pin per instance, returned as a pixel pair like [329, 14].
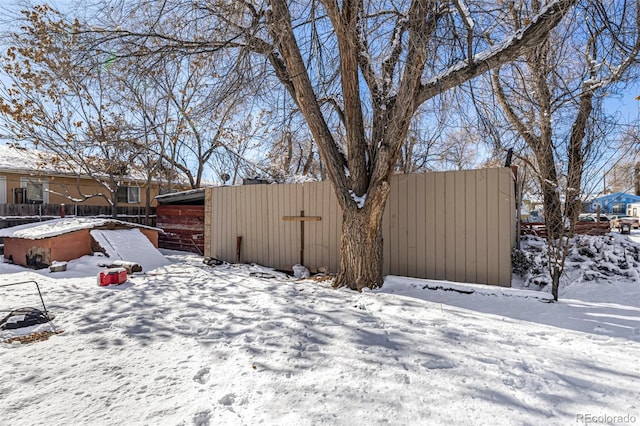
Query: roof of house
[55, 227]
[24, 160]
[616, 196]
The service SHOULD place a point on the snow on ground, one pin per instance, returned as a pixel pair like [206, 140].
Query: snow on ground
[193, 344]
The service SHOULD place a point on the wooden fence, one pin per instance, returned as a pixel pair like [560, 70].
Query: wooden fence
[457, 226]
[183, 227]
[583, 228]
[19, 214]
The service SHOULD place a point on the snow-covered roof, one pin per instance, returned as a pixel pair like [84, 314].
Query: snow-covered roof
[24, 160]
[184, 196]
[54, 227]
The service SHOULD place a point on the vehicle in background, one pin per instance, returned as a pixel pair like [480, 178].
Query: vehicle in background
[592, 217]
[618, 222]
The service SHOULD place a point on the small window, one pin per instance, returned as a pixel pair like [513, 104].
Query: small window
[128, 194]
[37, 190]
[620, 208]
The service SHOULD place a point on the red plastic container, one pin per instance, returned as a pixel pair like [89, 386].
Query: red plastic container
[112, 276]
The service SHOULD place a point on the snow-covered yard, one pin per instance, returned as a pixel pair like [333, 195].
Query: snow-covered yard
[192, 344]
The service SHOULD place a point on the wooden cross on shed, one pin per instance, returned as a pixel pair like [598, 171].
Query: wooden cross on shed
[302, 219]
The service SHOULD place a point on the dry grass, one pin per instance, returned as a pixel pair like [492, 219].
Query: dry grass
[33, 337]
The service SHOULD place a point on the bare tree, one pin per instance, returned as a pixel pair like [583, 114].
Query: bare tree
[292, 154]
[622, 172]
[551, 97]
[63, 102]
[367, 65]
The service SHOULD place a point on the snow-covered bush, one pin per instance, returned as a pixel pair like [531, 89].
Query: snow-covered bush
[590, 258]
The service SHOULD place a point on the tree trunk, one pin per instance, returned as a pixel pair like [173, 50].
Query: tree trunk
[361, 250]
[553, 217]
[555, 282]
[114, 204]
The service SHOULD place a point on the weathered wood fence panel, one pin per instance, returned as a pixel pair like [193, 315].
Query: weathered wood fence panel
[458, 226]
[183, 227]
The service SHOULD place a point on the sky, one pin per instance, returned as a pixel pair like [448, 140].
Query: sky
[623, 106]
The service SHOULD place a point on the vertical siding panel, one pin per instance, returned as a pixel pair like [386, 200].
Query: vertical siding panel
[216, 237]
[222, 213]
[245, 217]
[249, 237]
[394, 237]
[421, 227]
[450, 226]
[307, 205]
[311, 199]
[298, 205]
[286, 247]
[286, 227]
[493, 223]
[401, 250]
[228, 225]
[482, 245]
[440, 226]
[253, 203]
[223, 225]
[274, 229]
[230, 235]
[237, 222]
[505, 227]
[389, 239]
[430, 226]
[241, 218]
[460, 230]
[412, 226]
[293, 196]
[386, 236]
[278, 234]
[319, 226]
[216, 230]
[208, 225]
[248, 216]
[266, 217]
[233, 218]
[471, 226]
[231, 227]
[253, 198]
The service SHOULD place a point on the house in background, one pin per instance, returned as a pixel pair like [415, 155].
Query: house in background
[29, 176]
[615, 203]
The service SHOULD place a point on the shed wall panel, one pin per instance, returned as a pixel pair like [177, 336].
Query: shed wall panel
[447, 225]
